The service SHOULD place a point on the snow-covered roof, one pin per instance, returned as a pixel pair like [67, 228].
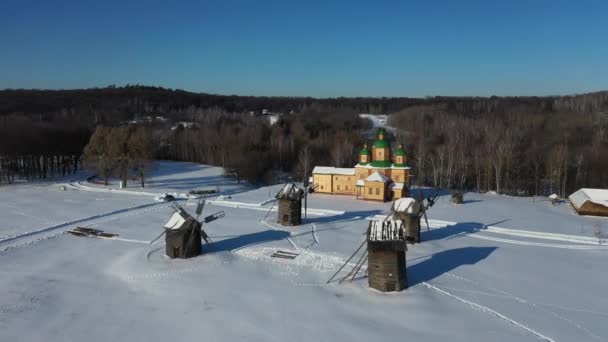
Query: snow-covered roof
[377, 177]
[385, 231]
[597, 196]
[406, 205]
[360, 182]
[290, 191]
[397, 186]
[176, 221]
[330, 170]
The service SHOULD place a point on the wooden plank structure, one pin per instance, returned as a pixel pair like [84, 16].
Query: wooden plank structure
[590, 202]
[409, 211]
[457, 197]
[290, 205]
[386, 256]
[183, 236]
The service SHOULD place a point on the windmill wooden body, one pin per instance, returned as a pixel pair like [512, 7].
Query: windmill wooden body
[290, 205]
[408, 211]
[183, 232]
[183, 235]
[386, 256]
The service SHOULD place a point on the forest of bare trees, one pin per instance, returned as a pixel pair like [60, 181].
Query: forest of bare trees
[547, 147]
[515, 145]
[34, 150]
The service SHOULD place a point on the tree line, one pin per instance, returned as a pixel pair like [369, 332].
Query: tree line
[33, 150]
[517, 145]
[528, 149]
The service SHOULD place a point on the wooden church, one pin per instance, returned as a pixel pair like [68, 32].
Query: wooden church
[382, 174]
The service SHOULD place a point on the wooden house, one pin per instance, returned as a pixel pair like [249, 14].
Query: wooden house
[182, 236]
[376, 187]
[590, 202]
[386, 256]
[290, 205]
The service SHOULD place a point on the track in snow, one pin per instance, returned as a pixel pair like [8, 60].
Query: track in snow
[55, 230]
[490, 311]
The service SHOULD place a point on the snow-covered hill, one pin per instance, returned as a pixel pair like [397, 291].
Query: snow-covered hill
[496, 268]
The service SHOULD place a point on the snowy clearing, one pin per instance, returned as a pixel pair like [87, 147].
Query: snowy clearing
[495, 268]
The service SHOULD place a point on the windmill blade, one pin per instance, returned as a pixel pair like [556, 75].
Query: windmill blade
[205, 236]
[214, 217]
[158, 237]
[199, 208]
[427, 221]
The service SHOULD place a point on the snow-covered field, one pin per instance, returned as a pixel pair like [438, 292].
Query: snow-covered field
[496, 268]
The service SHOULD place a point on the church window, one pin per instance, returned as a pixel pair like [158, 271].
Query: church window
[377, 191]
[370, 191]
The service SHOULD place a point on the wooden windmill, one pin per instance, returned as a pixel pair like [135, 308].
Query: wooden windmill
[183, 232]
[384, 254]
[290, 205]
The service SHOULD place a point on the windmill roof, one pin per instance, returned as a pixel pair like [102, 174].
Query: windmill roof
[406, 205]
[290, 191]
[377, 177]
[176, 221]
[385, 230]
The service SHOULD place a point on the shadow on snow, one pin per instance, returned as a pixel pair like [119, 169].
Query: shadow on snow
[346, 216]
[240, 241]
[453, 230]
[446, 261]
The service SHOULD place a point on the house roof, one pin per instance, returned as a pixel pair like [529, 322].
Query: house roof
[377, 177]
[330, 170]
[597, 196]
[385, 231]
[397, 186]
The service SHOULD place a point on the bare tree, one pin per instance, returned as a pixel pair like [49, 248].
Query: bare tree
[599, 233]
[305, 163]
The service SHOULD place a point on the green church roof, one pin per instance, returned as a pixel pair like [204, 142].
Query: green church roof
[381, 144]
[400, 151]
[365, 151]
[381, 163]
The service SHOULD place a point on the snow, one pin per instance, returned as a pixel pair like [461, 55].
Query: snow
[496, 268]
[385, 230]
[406, 204]
[330, 170]
[597, 196]
[397, 185]
[377, 177]
[176, 221]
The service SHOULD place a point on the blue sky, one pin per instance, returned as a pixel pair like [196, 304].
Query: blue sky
[309, 48]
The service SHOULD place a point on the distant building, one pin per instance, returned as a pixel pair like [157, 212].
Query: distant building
[590, 202]
[379, 175]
